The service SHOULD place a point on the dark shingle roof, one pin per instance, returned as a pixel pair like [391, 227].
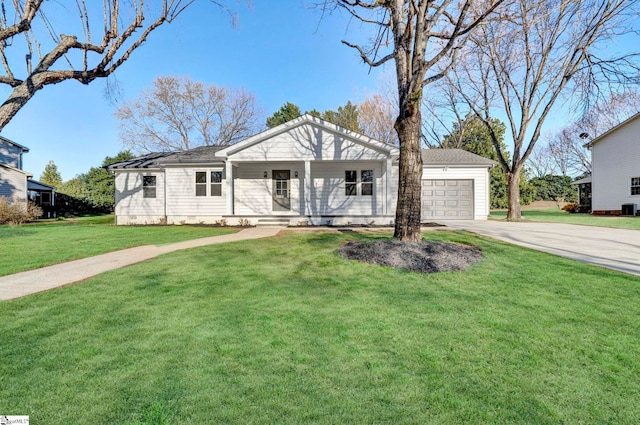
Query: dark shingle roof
[453, 157]
[151, 160]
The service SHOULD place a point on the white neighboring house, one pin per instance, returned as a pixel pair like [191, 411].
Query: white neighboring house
[304, 171]
[615, 174]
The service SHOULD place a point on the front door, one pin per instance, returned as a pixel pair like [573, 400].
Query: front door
[281, 190]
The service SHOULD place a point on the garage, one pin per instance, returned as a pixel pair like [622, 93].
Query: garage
[447, 199]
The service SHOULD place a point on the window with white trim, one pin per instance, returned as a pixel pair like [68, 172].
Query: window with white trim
[201, 183]
[635, 185]
[351, 183]
[355, 187]
[148, 186]
[216, 183]
[366, 182]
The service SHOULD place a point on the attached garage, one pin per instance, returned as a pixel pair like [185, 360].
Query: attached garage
[455, 185]
[447, 199]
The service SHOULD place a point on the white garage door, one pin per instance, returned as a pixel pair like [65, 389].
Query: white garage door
[447, 199]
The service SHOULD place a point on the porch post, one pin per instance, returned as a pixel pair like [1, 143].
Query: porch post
[389, 183]
[306, 210]
[229, 186]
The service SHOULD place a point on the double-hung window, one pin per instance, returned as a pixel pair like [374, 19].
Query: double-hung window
[212, 179]
[366, 182]
[635, 185]
[201, 183]
[351, 183]
[148, 186]
[216, 183]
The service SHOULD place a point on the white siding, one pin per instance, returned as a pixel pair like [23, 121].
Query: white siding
[130, 200]
[616, 158]
[328, 190]
[480, 177]
[253, 192]
[308, 142]
[181, 193]
[13, 184]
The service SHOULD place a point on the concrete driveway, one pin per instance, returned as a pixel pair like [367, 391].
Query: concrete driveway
[617, 249]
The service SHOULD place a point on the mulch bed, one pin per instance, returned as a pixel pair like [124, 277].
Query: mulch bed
[425, 257]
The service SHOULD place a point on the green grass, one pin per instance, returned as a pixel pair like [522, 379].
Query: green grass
[41, 244]
[283, 330]
[558, 216]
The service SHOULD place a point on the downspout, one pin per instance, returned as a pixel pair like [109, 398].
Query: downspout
[164, 186]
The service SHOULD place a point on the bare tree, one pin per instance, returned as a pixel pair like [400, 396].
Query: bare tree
[376, 115]
[31, 27]
[539, 52]
[180, 114]
[419, 36]
[566, 152]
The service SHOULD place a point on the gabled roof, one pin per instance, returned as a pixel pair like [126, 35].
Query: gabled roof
[157, 159]
[11, 142]
[36, 185]
[453, 158]
[297, 122]
[582, 180]
[611, 130]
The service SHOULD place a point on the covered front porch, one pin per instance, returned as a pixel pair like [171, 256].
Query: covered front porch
[315, 192]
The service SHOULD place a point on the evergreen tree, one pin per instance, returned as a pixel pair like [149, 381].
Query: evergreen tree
[287, 112]
[100, 184]
[51, 175]
[473, 136]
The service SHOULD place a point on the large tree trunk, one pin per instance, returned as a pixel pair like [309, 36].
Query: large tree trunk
[514, 212]
[408, 209]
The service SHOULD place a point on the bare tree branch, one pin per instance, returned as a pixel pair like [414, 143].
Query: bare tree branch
[118, 41]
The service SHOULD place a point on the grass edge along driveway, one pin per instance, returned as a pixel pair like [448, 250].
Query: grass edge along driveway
[283, 330]
[555, 215]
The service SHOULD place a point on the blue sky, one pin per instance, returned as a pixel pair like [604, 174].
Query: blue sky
[279, 50]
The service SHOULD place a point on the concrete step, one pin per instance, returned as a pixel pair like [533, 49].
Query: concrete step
[280, 222]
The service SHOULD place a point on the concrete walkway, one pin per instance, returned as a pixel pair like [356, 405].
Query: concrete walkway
[617, 249]
[29, 282]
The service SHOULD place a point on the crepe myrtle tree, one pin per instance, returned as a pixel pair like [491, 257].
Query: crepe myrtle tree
[420, 37]
[47, 42]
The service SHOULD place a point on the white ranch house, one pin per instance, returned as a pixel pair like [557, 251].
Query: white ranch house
[615, 169]
[304, 171]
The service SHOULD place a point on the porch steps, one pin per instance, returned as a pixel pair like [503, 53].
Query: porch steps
[280, 222]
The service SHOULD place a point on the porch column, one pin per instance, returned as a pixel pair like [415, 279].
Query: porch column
[229, 186]
[306, 210]
[389, 183]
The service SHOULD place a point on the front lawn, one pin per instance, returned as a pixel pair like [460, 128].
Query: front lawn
[558, 216]
[283, 330]
[37, 245]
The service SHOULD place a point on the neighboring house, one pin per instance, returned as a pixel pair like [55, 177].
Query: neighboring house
[306, 171]
[615, 175]
[15, 183]
[13, 180]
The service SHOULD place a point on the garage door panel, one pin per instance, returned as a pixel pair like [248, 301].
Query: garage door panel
[451, 199]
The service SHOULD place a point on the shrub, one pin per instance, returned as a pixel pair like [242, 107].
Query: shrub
[18, 211]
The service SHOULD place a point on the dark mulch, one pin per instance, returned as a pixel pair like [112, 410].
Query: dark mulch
[425, 257]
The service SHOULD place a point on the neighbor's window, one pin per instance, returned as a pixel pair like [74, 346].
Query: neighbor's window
[635, 185]
[148, 186]
[366, 179]
[350, 183]
[216, 183]
[201, 183]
